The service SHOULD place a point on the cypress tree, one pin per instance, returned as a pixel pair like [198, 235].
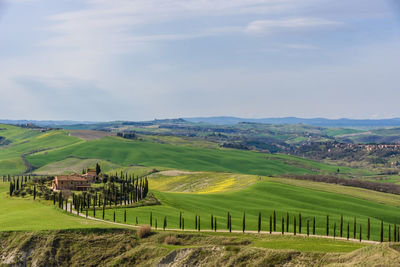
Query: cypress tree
[381, 231]
[394, 231]
[215, 224]
[299, 223]
[54, 199]
[259, 222]
[180, 220]
[165, 223]
[270, 224]
[283, 225]
[104, 210]
[355, 228]
[368, 229]
[94, 209]
[34, 192]
[199, 223]
[341, 225]
[287, 222]
[137, 222]
[244, 221]
[294, 225]
[125, 216]
[86, 212]
[156, 224]
[183, 224]
[227, 220]
[360, 232]
[348, 230]
[212, 222]
[114, 216]
[274, 221]
[389, 234]
[195, 222]
[308, 227]
[327, 225]
[334, 230]
[313, 226]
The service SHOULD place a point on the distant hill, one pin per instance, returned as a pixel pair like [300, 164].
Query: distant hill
[223, 120]
[321, 122]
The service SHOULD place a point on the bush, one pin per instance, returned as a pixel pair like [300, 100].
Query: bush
[171, 240]
[144, 231]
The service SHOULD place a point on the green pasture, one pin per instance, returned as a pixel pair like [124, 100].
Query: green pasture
[265, 197]
[18, 214]
[127, 153]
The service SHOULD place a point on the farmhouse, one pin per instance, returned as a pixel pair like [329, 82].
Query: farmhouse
[90, 175]
[70, 182]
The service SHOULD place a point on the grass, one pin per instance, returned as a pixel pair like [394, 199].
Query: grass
[18, 214]
[265, 197]
[127, 152]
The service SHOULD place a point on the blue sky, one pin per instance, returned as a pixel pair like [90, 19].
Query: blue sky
[145, 59]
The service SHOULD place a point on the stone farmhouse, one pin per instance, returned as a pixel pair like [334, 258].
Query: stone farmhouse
[75, 182]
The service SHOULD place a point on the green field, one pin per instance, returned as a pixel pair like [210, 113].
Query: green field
[125, 152]
[265, 197]
[18, 214]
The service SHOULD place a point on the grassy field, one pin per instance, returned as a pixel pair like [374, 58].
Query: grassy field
[126, 152]
[18, 214]
[26, 141]
[265, 197]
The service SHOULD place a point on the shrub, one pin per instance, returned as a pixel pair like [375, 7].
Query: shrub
[171, 240]
[144, 231]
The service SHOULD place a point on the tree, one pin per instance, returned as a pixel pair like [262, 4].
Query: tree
[283, 225]
[34, 192]
[381, 231]
[360, 233]
[308, 227]
[334, 230]
[227, 220]
[104, 210]
[259, 222]
[244, 221]
[215, 224]
[299, 223]
[287, 222]
[180, 220]
[98, 169]
[274, 221]
[212, 222]
[327, 225]
[199, 223]
[183, 223]
[165, 223]
[389, 234]
[355, 228]
[195, 222]
[348, 230]
[313, 226]
[125, 216]
[114, 216]
[230, 223]
[341, 226]
[368, 229]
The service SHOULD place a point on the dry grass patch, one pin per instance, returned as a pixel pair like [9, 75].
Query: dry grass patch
[144, 231]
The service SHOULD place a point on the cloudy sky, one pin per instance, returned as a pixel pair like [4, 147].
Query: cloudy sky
[144, 59]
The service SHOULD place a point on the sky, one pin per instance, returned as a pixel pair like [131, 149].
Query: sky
[102, 60]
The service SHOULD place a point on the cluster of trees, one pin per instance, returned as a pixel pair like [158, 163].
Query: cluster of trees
[16, 183]
[127, 135]
[123, 193]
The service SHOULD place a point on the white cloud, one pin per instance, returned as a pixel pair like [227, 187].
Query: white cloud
[269, 26]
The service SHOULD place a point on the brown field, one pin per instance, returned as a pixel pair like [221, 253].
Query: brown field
[90, 134]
